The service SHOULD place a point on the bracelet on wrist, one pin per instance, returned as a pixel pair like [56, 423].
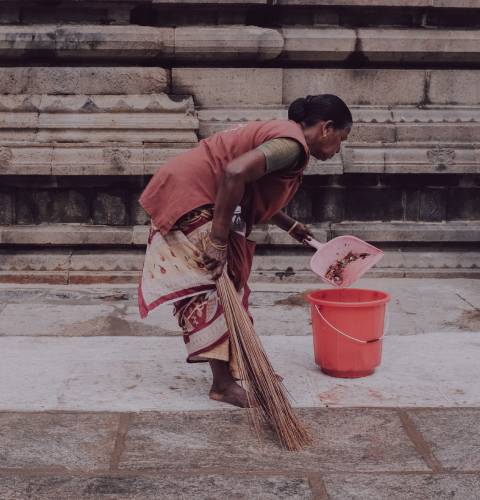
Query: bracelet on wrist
[294, 225]
[217, 246]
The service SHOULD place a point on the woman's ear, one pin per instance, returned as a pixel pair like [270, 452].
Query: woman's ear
[329, 126]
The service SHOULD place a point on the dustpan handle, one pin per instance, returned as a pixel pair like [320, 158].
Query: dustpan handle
[348, 336]
[314, 243]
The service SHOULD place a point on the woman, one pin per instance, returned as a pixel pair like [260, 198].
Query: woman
[191, 201]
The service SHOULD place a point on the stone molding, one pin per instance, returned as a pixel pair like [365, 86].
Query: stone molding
[240, 43]
[73, 234]
[144, 159]
[96, 118]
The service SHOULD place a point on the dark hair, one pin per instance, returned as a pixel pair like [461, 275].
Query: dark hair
[322, 107]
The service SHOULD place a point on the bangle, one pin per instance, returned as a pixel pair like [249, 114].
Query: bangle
[216, 245]
[294, 225]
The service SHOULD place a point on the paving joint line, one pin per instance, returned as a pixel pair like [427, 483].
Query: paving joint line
[419, 442]
[317, 487]
[120, 440]
[313, 475]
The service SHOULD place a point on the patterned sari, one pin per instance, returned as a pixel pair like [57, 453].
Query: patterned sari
[173, 273]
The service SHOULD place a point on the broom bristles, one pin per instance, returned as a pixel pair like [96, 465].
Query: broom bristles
[266, 394]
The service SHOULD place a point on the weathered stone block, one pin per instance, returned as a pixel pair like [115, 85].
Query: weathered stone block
[356, 86]
[83, 80]
[49, 439]
[351, 439]
[140, 235]
[419, 180]
[429, 205]
[229, 86]
[34, 207]
[68, 206]
[408, 231]
[342, 486]
[7, 203]
[453, 436]
[300, 207]
[65, 235]
[454, 87]
[137, 214]
[319, 44]
[25, 159]
[357, 180]
[92, 159]
[374, 204]
[247, 43]
[329, 204]
[109, 208]
[167, 487]
[418, 45]
[463, 204]
[9, 14]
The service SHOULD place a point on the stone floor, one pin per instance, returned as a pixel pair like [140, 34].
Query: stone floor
[95, 403]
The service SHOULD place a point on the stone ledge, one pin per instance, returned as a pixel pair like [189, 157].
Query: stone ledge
[83, 234]
[466, 4]
[380, 44]
[60, 260]
[462, 232]
[142, 42]
[97, 103]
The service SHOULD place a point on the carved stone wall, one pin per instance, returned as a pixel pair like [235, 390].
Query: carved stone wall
[95, 96]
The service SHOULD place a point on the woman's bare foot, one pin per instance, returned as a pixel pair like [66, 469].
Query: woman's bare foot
[224, 388]
[232, 394]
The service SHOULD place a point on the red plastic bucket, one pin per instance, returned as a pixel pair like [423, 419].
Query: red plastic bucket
[348, 327]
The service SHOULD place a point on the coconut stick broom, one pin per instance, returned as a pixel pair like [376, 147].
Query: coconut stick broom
[267, 396]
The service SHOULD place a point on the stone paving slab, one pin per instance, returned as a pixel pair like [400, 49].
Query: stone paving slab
[417, 306]
[150, 373]
[345, 439]
[453, 435]
[56, 441]
[165, 487]
[402, 486]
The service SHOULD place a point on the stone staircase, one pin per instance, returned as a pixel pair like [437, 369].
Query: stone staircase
[95, 96]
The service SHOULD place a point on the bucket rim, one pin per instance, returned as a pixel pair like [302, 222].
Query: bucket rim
[325, 302]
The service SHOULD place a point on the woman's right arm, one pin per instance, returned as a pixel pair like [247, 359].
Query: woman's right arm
[238, 173]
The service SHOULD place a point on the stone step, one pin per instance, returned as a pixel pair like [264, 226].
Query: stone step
[69, 266]
[240, 43]
[74, 234]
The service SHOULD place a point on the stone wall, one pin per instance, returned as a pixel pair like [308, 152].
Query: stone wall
[95, 96]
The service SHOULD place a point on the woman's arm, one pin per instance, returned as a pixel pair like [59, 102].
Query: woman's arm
[300, 231]
[239, 172]
[283, 221]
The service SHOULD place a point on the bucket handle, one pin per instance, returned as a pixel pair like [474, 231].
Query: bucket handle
[348, 336]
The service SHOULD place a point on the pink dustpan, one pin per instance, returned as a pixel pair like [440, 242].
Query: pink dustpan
[334, 252]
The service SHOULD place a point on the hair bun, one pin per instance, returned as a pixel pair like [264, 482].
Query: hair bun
[297, 111]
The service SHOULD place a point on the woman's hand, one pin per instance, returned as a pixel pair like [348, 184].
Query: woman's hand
[214, 258]
[301, 232]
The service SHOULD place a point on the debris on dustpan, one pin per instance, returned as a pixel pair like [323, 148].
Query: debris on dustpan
[335, 271]
[343, 260]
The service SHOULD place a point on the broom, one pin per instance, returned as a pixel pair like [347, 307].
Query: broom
[266, 394]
